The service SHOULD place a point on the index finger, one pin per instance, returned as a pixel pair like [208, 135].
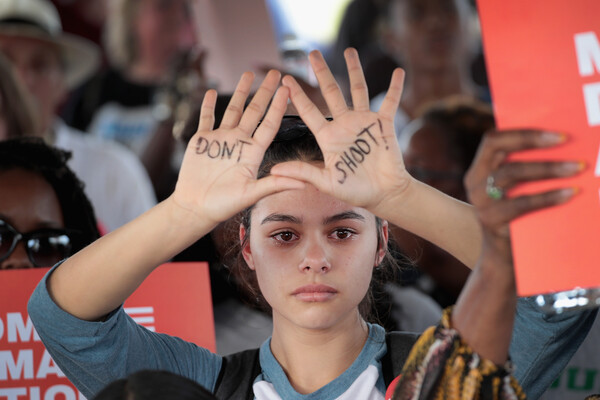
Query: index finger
[308, 111]
[329, 88]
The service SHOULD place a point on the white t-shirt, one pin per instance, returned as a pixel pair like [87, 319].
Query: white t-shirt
[115, 180]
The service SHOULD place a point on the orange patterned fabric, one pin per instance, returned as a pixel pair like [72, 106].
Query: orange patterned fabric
[443, 367]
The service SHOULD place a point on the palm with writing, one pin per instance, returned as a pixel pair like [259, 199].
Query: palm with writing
[363, 163]
[218, 175]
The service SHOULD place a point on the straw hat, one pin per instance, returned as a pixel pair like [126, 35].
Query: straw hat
[38, 19]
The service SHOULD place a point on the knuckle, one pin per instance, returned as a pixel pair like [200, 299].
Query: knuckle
[253, 107]
[234, 109]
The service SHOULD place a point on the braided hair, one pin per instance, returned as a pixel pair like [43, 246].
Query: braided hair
[34, 155]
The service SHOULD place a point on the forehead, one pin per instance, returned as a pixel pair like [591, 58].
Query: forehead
[307, 205]
[28, 201]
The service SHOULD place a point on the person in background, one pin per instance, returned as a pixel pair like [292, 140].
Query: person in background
[154, 385]
[45, 215]
[49, 63]
[438, 148]
[435, 41]
[153, 55]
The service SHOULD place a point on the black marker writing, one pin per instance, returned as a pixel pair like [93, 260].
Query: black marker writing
[357, 152]
[216, 149]
[382, 135]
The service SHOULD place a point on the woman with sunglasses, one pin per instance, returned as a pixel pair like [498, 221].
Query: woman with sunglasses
[313, 231]
[44, 214]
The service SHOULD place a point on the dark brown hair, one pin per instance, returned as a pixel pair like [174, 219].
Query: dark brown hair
[294, 141]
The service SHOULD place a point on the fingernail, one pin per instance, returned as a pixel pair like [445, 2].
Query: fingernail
[552, 138]
[572, 167]
[567, 193]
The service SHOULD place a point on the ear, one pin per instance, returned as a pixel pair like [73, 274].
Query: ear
[246, 251]
[383, 244]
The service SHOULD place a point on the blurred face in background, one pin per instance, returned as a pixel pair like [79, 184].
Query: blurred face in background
[28, 203]
[429, 34]
[37, 64]
[429, 158]
[163, 29]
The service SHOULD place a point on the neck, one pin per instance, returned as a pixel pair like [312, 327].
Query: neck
[313, 358]
[147, 72]
[424, 86]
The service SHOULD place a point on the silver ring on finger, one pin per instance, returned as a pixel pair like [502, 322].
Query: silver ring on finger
[494, 192]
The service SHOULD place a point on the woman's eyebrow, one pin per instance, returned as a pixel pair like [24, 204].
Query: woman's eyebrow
[281, 218]
[342, 216]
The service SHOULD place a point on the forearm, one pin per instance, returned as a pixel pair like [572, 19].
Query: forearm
[444, 221]
[484, 313]
[100, 277]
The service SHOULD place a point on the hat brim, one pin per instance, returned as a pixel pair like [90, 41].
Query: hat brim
[80, 57]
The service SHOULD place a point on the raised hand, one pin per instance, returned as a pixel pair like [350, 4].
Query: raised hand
[491, 177]
[485, 309]
[363, 163]
[218, 174]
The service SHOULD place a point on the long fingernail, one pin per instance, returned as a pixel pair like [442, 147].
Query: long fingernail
[552, 138]
[567, 193]
[572, 167]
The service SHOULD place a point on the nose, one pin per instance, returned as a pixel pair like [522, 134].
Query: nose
[315, 257]
[17, 260]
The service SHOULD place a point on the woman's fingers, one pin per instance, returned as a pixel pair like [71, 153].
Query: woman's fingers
[329, 87]
[496, 145]
[391, 101]
[508, 175]
[302, 171]
[235, 109]
[272, 184]
[498, 216]
[256, 109]
[207, 111]
[269, 126]
[310, 114]
[358, 84]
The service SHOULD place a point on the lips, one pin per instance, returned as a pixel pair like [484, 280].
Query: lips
[314, 293]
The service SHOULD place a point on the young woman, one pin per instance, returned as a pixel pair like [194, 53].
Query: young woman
[315, 229]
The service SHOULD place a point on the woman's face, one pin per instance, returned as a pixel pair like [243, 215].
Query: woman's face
[427, 157]
[164, 29]
[27, 203]
[313, 256]
[430, 34]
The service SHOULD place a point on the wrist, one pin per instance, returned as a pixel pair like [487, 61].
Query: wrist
[391, 204]
[187, 220]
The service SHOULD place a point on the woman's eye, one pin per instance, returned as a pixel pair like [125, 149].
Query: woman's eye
[284, 236]
[342, 233]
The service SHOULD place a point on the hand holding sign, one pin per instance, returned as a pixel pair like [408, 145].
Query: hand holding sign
[491, 164]
[218, 174]
[363, 163]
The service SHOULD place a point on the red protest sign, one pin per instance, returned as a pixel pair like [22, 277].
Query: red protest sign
[543, 62]
[174, 299]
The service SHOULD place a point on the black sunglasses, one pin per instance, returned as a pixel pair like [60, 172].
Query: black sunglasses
[45, 247]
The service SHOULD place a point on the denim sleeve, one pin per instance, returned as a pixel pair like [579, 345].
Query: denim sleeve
[93, 354]
[542, 344]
